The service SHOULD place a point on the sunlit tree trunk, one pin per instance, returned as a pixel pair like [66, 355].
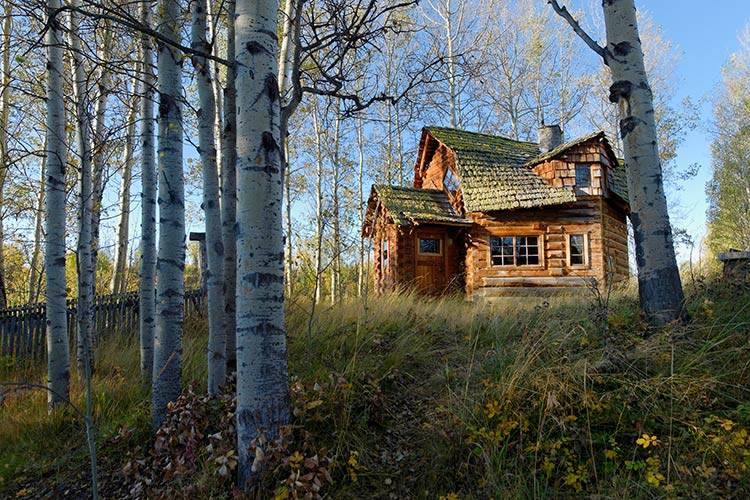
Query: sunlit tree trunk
[147, 275]
[58, 357]
[217, 366]
[119, 276]
[83, 249]
[167, 377]
[659, 285]
[263, 402]
[229, 193]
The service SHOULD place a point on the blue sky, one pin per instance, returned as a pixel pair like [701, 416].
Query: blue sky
[706, 34]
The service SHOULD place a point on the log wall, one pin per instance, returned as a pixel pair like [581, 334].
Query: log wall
[602, 223]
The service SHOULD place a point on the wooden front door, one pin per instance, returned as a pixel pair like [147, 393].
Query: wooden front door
[430, 259]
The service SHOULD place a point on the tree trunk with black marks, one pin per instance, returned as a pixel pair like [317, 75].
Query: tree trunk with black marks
[85, 270]
[217, 366]
[167, 377]
[659, 285]
[263, 401]
[147, 275]
[58, 356]
[229, 194]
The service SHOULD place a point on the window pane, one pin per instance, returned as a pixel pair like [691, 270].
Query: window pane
[577, 249]
[449, 181]
[429, 245]
[528, 251]
[583, 176]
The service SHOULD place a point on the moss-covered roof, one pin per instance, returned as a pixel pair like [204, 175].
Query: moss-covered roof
[410, 205]
[493, 172]
[563, 148]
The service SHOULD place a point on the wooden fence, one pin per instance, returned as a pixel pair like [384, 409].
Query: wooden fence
[22, 329]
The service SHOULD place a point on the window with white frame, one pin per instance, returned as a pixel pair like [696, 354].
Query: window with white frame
[583, 179]
[578, 250]
[514, 251]
[385, 255]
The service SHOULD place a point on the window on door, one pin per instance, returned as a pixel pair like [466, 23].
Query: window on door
[430, 246]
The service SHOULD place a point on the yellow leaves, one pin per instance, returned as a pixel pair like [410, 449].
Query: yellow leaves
[352, 465]
[449, 496]
[654, 478]
[610, 454]
[645, 440]
[314, 404]
[281, 494]
[295, 461]
[24, 492]
[492, 409]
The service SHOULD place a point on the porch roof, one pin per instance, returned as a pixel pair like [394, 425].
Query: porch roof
[412, 206]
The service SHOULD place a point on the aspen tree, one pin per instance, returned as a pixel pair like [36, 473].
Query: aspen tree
[167, 374]
[85, 270]
[229, 192]
[263, 402]
[217, 367]
[58, 357]
[659, 286]
[147, 275]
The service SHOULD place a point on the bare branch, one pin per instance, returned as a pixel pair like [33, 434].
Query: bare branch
[562, 11]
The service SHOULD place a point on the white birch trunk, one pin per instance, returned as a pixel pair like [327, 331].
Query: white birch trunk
[120, 274]
[84, 268]
[167, 376]
[147, 275]
[659, 283]
[217, 366]
[263, 401]
[58, 357]
[229, 193]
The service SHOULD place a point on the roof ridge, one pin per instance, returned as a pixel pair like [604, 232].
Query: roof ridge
[492, 136]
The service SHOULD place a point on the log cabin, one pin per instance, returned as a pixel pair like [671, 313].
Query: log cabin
[490, 217]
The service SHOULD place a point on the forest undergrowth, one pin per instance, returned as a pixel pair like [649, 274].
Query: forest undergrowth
[406, 397]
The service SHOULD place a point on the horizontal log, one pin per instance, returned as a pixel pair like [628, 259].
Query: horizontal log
[496, 294]
[536, 281]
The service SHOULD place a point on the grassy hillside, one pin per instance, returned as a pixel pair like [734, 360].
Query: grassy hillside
[404, 397]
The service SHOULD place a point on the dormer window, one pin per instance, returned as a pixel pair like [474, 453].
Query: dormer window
[449, 181]
[583, 179]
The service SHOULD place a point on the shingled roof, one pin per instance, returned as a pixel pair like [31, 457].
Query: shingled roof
[493, 172]
[412, 205]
